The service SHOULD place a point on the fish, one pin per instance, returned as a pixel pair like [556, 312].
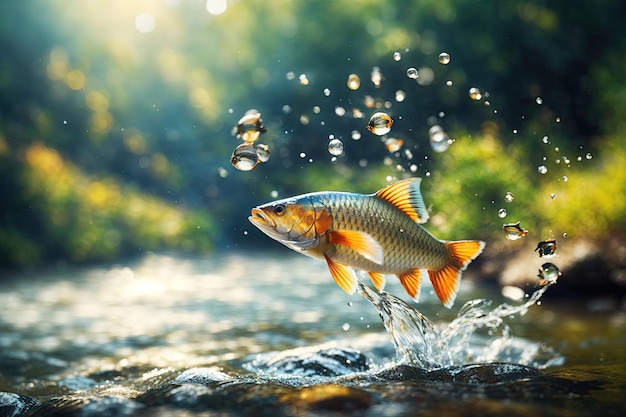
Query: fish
[380, 233]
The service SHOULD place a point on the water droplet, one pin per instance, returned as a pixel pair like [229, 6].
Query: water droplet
[439, 140]
[475, 94]
[444, 58]
[502, 213]
[546, 248]
[354, 82]
[513, 231]
[380, 124]
[508, 197]
[345, 327]
[412, 73]
[335, 147]
[245, 157]
[542, 169]
[263, 151]
[355, 135]
[303, 79]
[393, 144]
[327, 92]
[539, 100]
[376, 76]
[250, 127]
[400, 96]
[548, 274]
[397, 56]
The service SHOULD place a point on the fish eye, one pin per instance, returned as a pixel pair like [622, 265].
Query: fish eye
[279, 209]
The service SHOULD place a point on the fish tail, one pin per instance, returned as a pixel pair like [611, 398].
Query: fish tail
[446, 281]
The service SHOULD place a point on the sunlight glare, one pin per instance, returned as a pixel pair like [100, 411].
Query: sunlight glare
[145, 23]
[216, 7]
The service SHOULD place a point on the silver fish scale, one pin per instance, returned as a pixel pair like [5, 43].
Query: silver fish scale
[406, 244]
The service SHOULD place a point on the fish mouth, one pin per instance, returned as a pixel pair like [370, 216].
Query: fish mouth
[260, 219]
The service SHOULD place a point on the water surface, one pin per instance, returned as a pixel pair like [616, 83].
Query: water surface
[234, 332]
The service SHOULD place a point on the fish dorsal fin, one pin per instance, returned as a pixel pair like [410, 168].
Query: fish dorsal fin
[360, 242]
[406, 196]
[343, 275]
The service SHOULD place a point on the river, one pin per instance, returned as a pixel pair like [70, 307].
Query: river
[264, 333]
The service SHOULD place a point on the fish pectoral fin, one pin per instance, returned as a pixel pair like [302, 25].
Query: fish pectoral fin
[343, 275]
[378, 279]
[410, 280]
[360, 242]
[447, 280]
[406, 196]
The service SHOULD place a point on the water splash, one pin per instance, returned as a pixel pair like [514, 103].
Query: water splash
[420, 342]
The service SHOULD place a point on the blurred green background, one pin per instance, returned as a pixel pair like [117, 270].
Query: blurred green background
[116, 117]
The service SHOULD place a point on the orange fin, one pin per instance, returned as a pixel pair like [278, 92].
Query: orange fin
[447, 280]
[406, 196]
[344, 276]
[411, 282]
[378, 279]
[362, 243]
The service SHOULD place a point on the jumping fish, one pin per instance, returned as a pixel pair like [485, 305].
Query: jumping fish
[379, 233]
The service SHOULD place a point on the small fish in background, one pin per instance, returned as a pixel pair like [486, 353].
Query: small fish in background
[546, 248]
[380, 233]
[548, 274]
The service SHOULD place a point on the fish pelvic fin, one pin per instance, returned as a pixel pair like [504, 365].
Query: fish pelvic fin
[411, 280]
[406, 196]
[343, 275]
[362, 243]
[446, 281]
[378, 279]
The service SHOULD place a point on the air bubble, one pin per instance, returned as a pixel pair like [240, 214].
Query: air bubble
[412, 73]
[539, 100]
[513, 231]
[376, 77]
[335, 147]
[502, 213]
[245, 157]
[355, 135]
[397, 56]
[250, 127]
[475, 94]
[263, 151]
[508, 197]
[400, 96]
[542, 169]
[393, 144]
[327, 92]
[354, 82]
[444, 58]
[380, 124]
[345, 327]
[439, 140]
[303, 79]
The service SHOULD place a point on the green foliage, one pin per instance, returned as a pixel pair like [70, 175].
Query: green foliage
[112, 139]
